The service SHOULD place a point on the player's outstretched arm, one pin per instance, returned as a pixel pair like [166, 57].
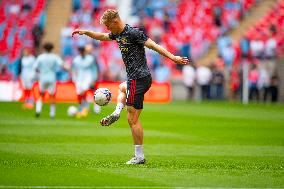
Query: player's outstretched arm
[95, 35]
[161, 50]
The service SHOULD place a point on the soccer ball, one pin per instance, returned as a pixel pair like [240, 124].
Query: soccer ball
[72, 111]
[102, 96]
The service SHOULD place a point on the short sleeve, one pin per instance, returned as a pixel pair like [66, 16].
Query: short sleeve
[139, 36]
[59, 61]
[112, 36]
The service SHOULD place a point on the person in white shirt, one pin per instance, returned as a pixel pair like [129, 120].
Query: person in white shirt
[203, 78]
[270, 47]
[27, 77]
[188, 73]
[84, 77]
[257, 47]
[46, 65]
[263, 82]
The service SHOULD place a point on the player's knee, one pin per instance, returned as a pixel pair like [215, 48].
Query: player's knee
[122, 87]
[132, 121]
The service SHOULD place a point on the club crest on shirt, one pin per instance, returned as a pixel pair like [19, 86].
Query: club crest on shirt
[122, 40]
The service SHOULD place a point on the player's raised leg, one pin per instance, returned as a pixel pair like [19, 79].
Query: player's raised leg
[121, 100]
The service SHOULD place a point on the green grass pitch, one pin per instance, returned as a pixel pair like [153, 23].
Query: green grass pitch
[211, 144]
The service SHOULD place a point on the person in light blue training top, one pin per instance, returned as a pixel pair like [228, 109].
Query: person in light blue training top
[84, 78]
[27, 77]
[46, 66]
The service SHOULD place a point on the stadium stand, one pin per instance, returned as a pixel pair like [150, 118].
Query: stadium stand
[185, 27]
[264, 40]
[21, 26]
[192, 23]
[260, 46]
[270, 27]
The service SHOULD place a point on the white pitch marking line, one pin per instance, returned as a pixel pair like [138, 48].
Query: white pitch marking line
[137, 187]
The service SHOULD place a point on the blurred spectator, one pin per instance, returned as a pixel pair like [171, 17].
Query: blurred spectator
[188, 73]
[264, 82]
[253, 80]
[76, 5]
[14, 68]
[229, 55]
[245, 47]
[203, 77]
[185, 50]
[220, 64]
[142, 26]
[274, 88]
[5, 74]
[156, 31]
[222, 42]
[217, 83]
[166, 21]
[26, 6]
[3, 60]
[14, 8]
[235, 82]
[162, 73]
[67, 52]
[270, 47]
[155, 60]
[67, 44]
[37, 33]
[273, 29]
[257, 47]
[28, 74]
[217, 16]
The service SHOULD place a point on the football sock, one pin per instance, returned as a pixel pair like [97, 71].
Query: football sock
[139, 151]
[119, 108]
[52, 110]
[38, 106]
[97, 108]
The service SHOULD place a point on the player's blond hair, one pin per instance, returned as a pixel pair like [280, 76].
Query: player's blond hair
[109, 15]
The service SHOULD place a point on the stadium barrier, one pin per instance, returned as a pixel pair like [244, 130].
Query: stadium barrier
[65, 91]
